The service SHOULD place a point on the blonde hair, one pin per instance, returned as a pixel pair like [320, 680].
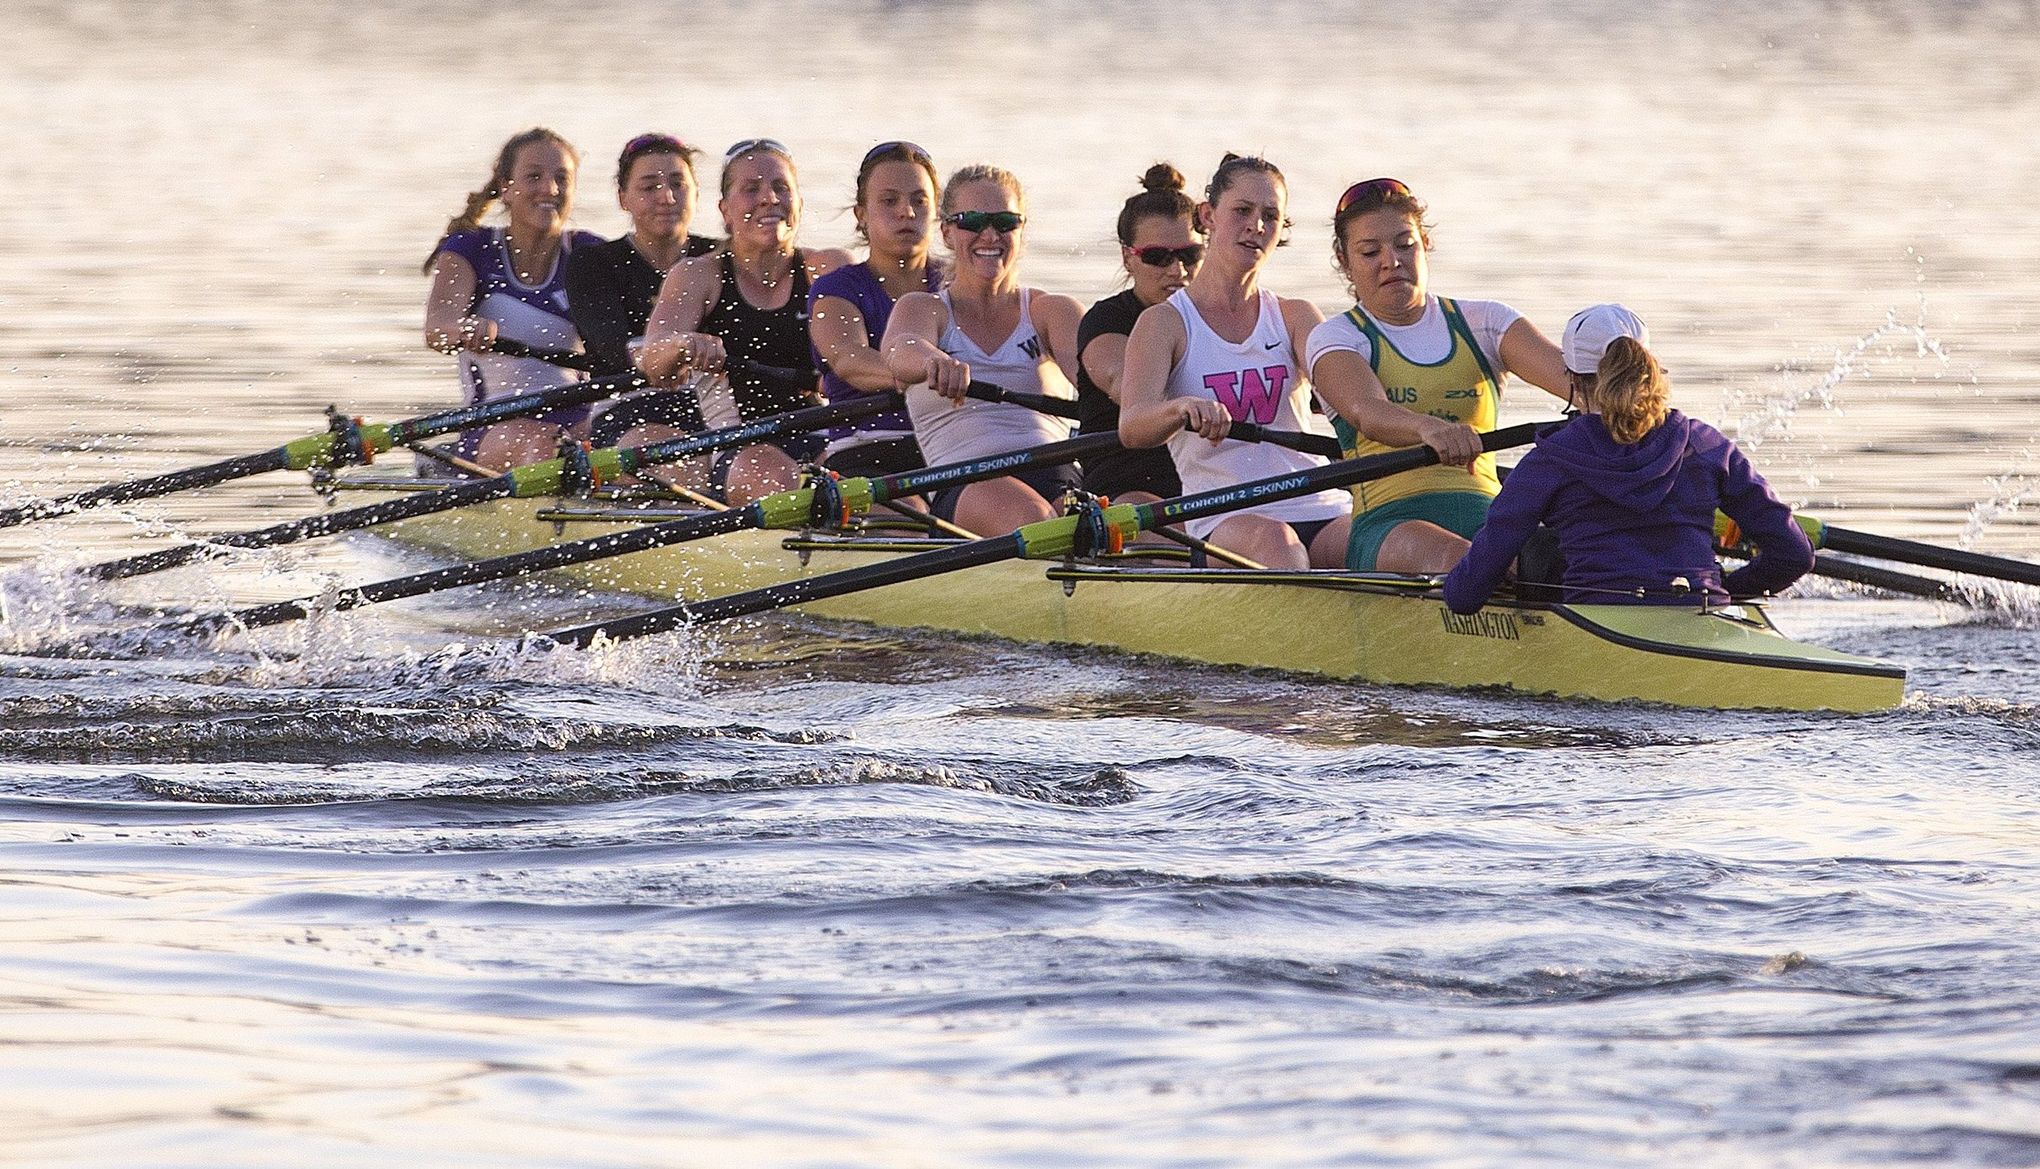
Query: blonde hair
[479, 201]
[1631, 392]
[981, 172]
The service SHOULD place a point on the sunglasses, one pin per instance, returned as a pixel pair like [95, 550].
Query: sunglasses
[914, 152]
[973, 222]
[750, 144]
[1373, 190]
[1157, 256]
[654, 144]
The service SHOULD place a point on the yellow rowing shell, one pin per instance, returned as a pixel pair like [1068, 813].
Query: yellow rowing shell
[1359, 626]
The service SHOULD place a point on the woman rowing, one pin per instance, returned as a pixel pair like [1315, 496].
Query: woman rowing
[748, 302]
[611, 286]
[1160, 247]
[1403, 368]
[985, 326]
[1631, 487]
[491, 283]
[897, 193]
[1220, 350]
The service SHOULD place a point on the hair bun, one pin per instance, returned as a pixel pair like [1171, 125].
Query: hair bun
[1162, 177]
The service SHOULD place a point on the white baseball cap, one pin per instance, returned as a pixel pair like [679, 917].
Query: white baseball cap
[1591, 329]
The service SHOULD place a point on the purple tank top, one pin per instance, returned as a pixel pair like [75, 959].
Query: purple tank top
[857, 284]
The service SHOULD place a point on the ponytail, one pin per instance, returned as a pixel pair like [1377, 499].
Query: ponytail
[479, 202]
[1631, 391]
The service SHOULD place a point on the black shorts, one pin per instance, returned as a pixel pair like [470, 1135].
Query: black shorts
[1115, 473]
[675, 408]
[1050, 483]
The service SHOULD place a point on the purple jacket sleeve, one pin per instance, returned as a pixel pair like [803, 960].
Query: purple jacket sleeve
[1511, 518]
[1784, 554]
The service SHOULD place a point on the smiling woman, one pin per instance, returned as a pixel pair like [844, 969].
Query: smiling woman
[986, 326]
[507, 282]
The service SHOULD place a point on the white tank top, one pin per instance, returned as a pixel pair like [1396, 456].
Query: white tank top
[1256, 381]
[950, 433]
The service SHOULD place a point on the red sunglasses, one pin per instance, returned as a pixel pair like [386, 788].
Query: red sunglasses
[1373, 190]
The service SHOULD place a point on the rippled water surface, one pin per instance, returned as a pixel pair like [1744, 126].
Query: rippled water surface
[394, 887]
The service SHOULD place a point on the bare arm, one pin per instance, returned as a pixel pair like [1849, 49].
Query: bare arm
[1147, 416]
[1055, 320]
[838, 330]
[1530, 355]
[1105, 359]
[673, 341]
[1347, 384]
[448, 327]
[822, 261]
[912, 353]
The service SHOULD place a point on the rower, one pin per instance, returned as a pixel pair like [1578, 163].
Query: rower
[1402, 368]
[1220, 350]
[611, 286]
[749, 301]
[508, 283]
[897, 193]
[1160, 248]
[1631, 487]
[986, 326]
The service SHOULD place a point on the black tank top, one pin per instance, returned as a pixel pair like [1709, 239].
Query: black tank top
[776, 337]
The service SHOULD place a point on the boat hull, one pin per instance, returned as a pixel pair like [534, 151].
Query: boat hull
[1366, 627]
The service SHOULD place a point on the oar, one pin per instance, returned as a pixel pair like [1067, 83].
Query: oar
[1086, 532]
[550, 477]
[345, 443]
[1826, 535]
[1323, 445]
[812, 505]
[801, 507]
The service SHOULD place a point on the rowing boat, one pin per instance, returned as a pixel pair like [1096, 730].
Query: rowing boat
[1369, 627]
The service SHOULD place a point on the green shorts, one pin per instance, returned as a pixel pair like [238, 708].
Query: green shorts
[1462, 512]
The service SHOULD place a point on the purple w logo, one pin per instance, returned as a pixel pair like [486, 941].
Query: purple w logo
[1250, 395]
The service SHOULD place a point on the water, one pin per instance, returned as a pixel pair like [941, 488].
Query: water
[392, 887]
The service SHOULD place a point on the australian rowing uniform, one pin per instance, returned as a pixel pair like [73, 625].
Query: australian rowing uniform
[876, 444]
[951, 433]
[534, 315]
[1446, 365]
[1256, 381]
[611, 288]
[1116, 472]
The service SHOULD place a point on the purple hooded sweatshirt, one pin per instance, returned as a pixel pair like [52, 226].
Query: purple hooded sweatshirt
[1635, 516]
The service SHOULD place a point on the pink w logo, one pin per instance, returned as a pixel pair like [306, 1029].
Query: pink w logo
[1250, 395]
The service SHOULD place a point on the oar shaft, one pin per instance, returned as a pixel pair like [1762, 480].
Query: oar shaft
[501, 567]
[223, 471]
[533, 479]
[327, 524]
[797, 592]
[1928, 556]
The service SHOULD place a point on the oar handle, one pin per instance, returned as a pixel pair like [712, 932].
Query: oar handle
[1039, 403]
[1322, 445]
